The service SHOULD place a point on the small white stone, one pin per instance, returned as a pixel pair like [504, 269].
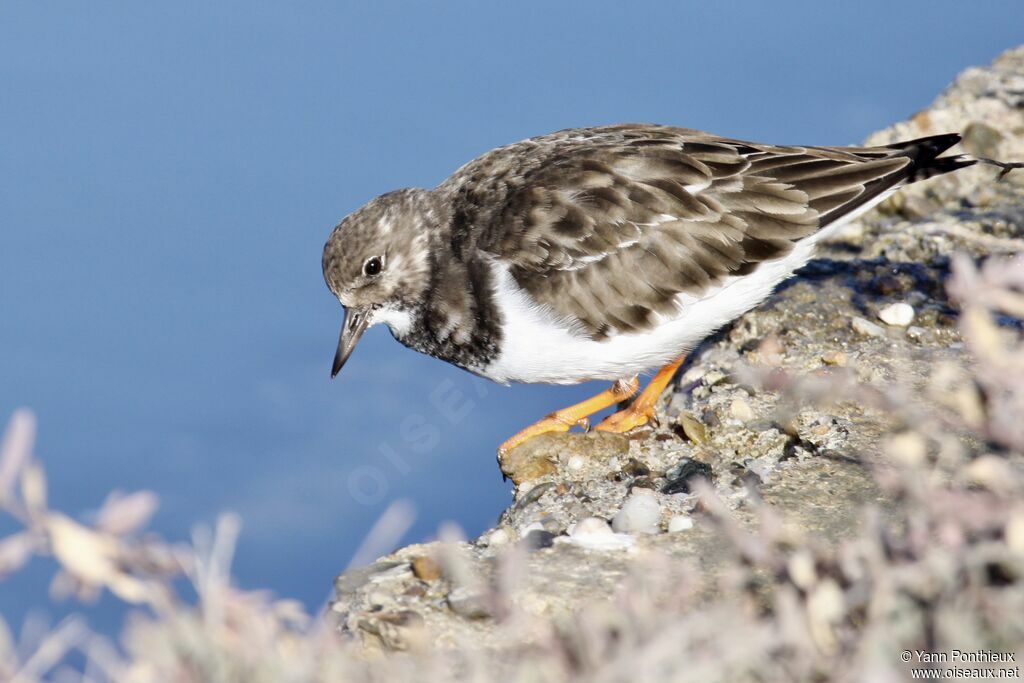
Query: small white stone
[640, 514]
[679, 523]
[693, 374]
[714, 377]
[378, 598]
[898, 314]
[837, 358]
[741, 410]
[577, 462]
[592, 526]
[595, 534]
[866, 328]
[498, 537]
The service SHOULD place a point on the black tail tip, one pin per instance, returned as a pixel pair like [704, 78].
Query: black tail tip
[927, 148]
[927, 163]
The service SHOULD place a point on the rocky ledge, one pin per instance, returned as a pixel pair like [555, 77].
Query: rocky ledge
[800, 411]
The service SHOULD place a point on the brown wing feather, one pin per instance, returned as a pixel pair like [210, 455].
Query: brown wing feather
[607, 226]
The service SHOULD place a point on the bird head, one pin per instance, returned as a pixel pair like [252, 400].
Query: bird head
[377, 263]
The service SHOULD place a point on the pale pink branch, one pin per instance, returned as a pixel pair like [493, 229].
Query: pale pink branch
[123, 514]
[386, 533]
[15, 552]
[15, 450]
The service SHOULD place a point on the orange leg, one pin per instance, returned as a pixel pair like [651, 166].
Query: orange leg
[641, 410]
[562, 420]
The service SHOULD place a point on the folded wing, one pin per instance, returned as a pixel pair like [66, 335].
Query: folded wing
[606, 227]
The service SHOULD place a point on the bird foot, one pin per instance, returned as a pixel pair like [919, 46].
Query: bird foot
[552, 423]
[575, 415]
[629, 418]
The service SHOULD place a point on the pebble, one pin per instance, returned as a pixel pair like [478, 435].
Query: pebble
[679, 476]
[640, 514]
[679, 523]
[577, 463]
[530, 494]
[378, 599]
[898, 314]
[468, 603]
[866, 328]
[837, 358]
[693, 374]
[426, 568]
[694, 430]
[741, 410]
[595, 534]
[982, 139]
[536, 539]
[498, 537]
[713, 377]
[590, 526]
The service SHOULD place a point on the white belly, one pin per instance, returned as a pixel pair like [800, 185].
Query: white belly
[538, 347]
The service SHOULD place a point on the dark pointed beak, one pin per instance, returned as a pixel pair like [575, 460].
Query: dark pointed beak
[355, 324]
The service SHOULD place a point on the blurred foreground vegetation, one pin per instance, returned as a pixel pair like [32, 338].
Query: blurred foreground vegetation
[942, 569]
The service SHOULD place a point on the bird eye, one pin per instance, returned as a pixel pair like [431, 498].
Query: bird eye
[372, 266]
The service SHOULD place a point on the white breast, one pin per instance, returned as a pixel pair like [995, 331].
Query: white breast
[537, 346]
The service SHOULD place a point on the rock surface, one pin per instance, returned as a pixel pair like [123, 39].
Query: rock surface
[588, 506]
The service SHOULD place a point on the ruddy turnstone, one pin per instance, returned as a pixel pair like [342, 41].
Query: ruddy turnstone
[601, 253]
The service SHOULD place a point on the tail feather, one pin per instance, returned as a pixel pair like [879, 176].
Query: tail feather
[924, 152]
[927, 148]
[927, 163]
